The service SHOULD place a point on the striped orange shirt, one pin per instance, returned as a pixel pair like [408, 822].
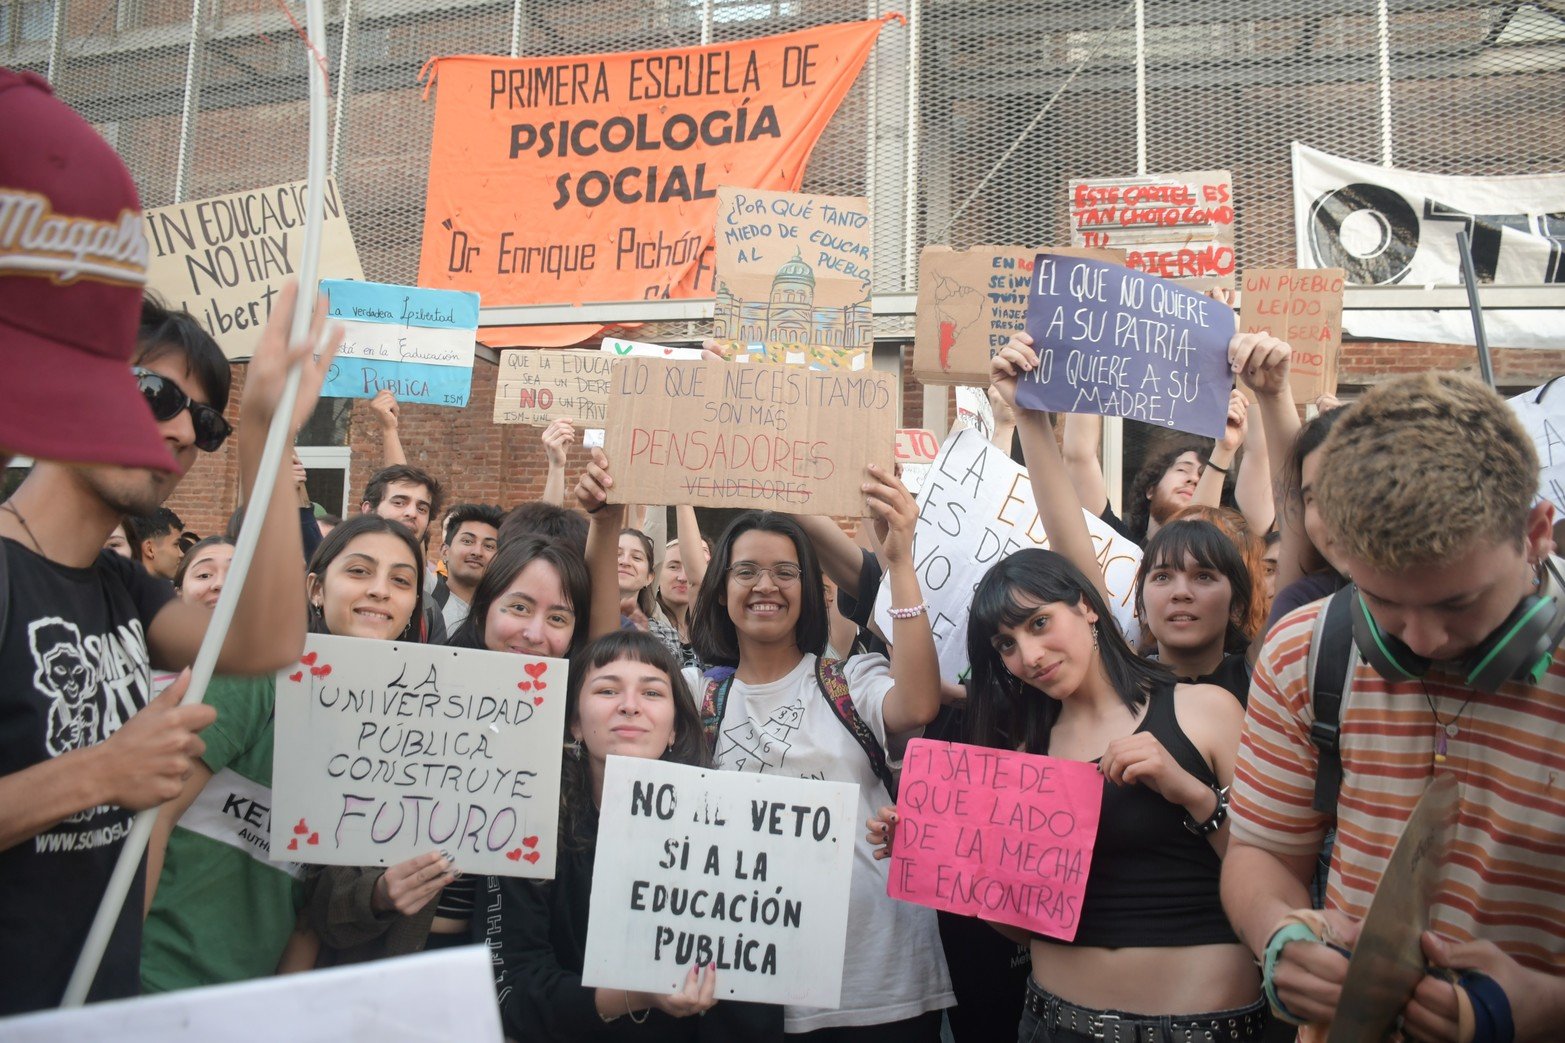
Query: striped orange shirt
[1505, 882]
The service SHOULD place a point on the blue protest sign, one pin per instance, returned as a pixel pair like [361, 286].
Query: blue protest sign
[1117, 342]
[417, 342]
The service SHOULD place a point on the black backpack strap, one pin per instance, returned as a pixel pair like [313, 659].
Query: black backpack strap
[834, 686]
[1331, 658]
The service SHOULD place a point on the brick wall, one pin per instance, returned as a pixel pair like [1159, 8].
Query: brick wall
[480, 461]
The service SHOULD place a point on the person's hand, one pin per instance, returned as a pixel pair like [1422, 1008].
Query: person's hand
[1326, 402]
[697, 996]
[1237, 424]
[1263, 361]
[1309, 975]
[714, 351]
[630, 608]
[1141, 758]
[274, 357]
[592, 488]
[1222, 295]
[384, 406]
[148, 760]
[894, 513]
[1430, 1016]
[300, 474]
[1003, 411]
[409, 886]
[1007, 366]
[556, 437]
[881, 830]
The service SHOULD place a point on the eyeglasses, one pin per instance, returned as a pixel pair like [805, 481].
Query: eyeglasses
[748, 573]
[168, 401]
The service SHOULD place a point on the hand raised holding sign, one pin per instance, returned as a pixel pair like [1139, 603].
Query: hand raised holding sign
[592, 488]
[1263, 361]
[1007, 366]
[1238, 423]
[556, 437]
[697, 996]
[410, 885]
[894, 513]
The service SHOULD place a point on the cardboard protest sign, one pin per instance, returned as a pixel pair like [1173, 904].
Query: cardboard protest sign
[996, 834]
[916, 445]
[976, 507]
[586, 178]
[444, 995]
[537, 385]
[621, 348]
[1116, 342]
[1175, 226]
[970, 302]
[1542, 413]
[1302, 306]
[387, 750]
[417, 342]
[225, 259]
[792, 270]
[748, 872]
[714, 434]
[815, 356]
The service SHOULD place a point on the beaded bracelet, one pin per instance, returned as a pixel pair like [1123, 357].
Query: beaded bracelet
[908, 613]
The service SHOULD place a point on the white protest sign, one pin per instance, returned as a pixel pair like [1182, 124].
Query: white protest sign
[976, 507]
[387, 750]
[641, 349]
[1544, 418]
[974, 410]
[747, 872]
[445, 995]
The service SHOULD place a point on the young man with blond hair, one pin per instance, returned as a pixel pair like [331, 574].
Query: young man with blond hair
[1427, 489]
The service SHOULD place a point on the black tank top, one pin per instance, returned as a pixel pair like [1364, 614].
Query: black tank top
[1153, 882]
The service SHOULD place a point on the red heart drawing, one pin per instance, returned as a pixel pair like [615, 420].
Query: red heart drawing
[320, 671]
[308, 660]
[530, 841]
[536, 670]
[541, 686]
[293, 845]
[531, 857]
[525, 686]
[296, 677]
[301, 828]
[537, 700]
[514, 855]
[315, 838]
[668, 351]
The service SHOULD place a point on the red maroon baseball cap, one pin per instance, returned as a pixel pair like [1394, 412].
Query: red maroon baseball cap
[73, 263]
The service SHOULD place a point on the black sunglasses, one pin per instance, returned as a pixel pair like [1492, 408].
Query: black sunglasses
[168, 401]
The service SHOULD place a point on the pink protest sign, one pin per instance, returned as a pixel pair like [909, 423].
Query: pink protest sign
[1000, 835]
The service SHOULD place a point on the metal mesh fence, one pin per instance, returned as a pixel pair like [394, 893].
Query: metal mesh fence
[208, 98]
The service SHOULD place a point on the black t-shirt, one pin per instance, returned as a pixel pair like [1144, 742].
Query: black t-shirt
[1117, 523]
[74, 667]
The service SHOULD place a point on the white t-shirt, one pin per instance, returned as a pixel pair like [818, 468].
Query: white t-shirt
[454, 614]
[894, 968]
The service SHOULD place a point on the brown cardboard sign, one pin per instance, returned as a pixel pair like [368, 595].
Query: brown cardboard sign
[792, 269]
[916, 445]
[970, 302]
[1302, 306]
[537, 385]
[1175, 226]
[763, 436]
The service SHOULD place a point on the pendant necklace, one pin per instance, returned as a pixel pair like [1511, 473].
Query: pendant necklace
[1443, 729]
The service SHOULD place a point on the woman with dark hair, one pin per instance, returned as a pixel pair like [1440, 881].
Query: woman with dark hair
[637, 589]
[1252, 551]
[776, 706]
[1153, 952]
[532, 600]
[219, 909]
[625, 698]
[203, 570]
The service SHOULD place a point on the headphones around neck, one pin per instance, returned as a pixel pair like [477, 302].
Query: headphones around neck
[1519, 649]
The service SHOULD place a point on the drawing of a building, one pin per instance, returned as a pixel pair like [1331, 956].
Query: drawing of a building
[789, 314]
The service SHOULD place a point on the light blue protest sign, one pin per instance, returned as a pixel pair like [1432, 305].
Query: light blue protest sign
[415, 341]
[1118, 342]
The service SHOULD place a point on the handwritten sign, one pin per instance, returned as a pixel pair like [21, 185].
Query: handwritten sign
[815, 356]
[1175, 226]
[747, 872]
[714, 434]
[388, 750]
[976, 507]
[417, 342]
[996, 834]
[537, 385]
[1542, 413]
[1118, 343]
[225, 259]
[970, 302]
[1302, 306]
[792, 270]
[621, 348]
[916, 445]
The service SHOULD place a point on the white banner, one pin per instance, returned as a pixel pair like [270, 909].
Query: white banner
[1542, 413]
[746, 872]
[976, 507]
[1385, 226]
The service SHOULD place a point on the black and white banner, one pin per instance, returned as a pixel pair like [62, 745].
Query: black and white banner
[1385, 226]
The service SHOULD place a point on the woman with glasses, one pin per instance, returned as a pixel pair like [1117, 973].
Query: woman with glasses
[772, 705]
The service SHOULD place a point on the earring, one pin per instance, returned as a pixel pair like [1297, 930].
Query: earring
[1094, 640]
[573, 747]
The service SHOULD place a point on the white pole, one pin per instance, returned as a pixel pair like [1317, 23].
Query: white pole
[1141, 87]
[342, 85]
[187, 112]
[516, 28]
[255, 515]
[1383, 35]
[910, 192]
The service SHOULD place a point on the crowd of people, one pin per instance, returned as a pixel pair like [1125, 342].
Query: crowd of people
[1225, 894]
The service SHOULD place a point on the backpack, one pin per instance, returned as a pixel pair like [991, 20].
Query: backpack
[1330, 672]
[833, 688]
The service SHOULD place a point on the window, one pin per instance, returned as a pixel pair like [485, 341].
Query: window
[326, 469]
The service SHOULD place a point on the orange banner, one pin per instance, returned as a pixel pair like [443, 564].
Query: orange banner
[594, 178]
